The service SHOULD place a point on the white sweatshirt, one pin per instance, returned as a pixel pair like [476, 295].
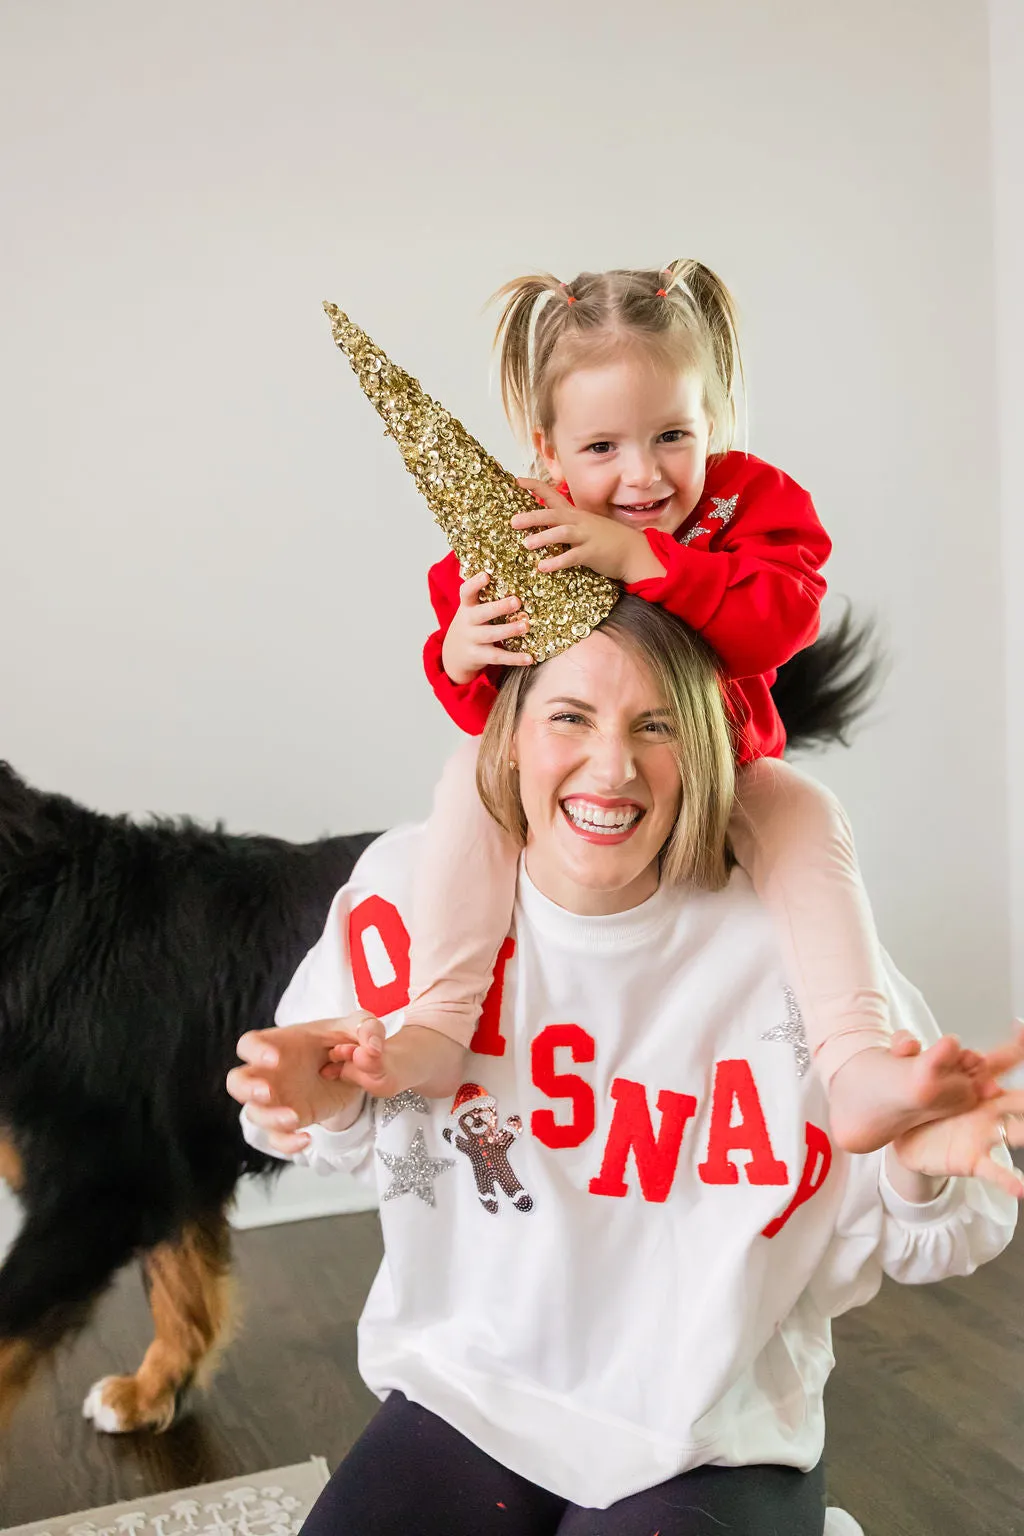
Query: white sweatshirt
[618, 1258]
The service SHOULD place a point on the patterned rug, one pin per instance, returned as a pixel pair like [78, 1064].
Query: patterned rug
[265, 1504]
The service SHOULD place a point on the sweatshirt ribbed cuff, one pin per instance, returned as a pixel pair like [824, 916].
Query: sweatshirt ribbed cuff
[340, 1141]
[914, 1214]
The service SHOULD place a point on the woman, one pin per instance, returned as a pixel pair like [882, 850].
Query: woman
[611, 1260]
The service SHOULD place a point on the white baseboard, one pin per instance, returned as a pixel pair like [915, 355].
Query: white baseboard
[298, 1195]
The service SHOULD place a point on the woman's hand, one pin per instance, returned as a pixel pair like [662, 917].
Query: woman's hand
[281, 1084]
[473, 642]
[620, 553]
[961, 1145]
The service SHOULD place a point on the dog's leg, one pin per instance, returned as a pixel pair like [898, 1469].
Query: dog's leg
[190, 1297]
[72, 1241]
[11, 1170]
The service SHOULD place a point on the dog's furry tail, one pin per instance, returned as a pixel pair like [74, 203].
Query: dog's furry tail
[825, 690]
[19, 811]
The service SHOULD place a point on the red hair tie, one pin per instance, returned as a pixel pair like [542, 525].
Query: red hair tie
[570, 300]
[661, 294]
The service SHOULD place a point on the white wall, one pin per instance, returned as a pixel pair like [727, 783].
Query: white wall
[1007, 34]
[214, 595]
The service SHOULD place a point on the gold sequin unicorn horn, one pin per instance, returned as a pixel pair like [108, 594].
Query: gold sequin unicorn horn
[472, 499]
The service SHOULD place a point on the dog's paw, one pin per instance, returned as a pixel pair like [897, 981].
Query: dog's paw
[117, 1406]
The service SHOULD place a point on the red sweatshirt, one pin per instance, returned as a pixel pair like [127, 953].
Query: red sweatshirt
[743, 570]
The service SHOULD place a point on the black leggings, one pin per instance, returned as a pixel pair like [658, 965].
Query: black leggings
[411, 1474]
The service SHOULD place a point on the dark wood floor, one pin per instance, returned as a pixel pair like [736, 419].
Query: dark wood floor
[926, 1411]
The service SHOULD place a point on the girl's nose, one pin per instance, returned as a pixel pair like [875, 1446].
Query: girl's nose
[640, 470]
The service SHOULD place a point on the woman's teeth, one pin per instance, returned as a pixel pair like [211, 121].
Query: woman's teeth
[597, 818]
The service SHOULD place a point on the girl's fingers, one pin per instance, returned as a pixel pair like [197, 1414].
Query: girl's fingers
[544, 493]
[498, 657]
[561, 562]
[561, 533]
[1004, 1058]
[497, 607]
[369, 1061]
[542, 517]
[945, 1052]
[496, 632]
[471, 589]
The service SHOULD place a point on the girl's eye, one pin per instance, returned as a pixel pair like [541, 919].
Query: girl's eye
[675, 435]
[598, 448]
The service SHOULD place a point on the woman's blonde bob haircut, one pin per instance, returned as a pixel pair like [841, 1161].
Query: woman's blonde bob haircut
[685, 672]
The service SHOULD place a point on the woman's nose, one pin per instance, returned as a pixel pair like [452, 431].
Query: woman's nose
[612, 761]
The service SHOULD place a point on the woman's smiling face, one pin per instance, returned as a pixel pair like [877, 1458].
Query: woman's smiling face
[598, 777]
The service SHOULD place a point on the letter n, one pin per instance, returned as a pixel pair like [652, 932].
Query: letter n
[631, 1130]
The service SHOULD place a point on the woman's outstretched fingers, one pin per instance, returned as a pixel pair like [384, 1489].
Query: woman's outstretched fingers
[289, 1142]
[246, 1086]
[256, 1047]
[272, 1117]
[1004, 1178]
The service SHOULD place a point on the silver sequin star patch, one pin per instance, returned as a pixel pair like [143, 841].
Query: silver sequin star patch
[724, 506]
[414, 1174]
[407, 1099]
[792, 1033]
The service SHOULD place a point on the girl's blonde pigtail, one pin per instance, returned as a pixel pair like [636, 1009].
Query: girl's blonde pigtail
[515, 333]
[717, 310]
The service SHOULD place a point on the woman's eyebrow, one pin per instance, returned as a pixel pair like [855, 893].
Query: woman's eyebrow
[661, 712]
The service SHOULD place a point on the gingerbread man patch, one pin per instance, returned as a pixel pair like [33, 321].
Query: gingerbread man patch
[473, 1130]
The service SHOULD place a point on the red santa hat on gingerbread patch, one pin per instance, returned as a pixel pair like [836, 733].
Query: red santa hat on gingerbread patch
[471, 1097]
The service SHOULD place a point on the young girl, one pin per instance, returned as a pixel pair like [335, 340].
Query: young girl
[625, 384]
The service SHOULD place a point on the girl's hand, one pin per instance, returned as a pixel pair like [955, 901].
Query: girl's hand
[473, 642]
[622, 554]
[281, 1086]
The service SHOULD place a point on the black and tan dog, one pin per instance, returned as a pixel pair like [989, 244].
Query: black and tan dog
[132, 956]
[131, 959]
